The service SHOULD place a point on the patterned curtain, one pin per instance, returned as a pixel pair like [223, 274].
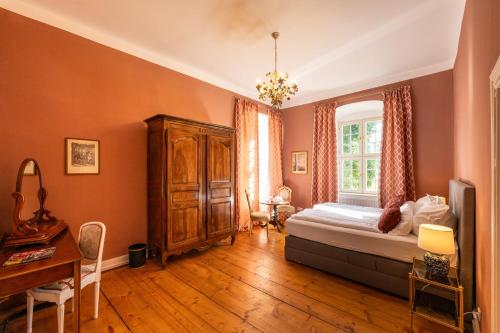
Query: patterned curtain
[275, 150]
[324, 155]
[396, 164]
[247, 159]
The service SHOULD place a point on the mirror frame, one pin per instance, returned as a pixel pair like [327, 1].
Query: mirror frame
[30, 226]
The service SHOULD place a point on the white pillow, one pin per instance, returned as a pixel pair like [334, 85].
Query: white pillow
[428, 199]
[405, 225]
[432, 212]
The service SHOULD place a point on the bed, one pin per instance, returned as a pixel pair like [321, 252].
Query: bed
[375, 259]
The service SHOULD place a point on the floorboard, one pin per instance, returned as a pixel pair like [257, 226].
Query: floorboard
[247, 287]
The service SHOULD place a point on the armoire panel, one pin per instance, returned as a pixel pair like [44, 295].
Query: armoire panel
[220, 218]
[185, 160]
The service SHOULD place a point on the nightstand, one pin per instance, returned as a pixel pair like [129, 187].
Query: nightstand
[424, 292]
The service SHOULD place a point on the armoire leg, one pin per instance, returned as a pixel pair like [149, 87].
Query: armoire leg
[164, 257]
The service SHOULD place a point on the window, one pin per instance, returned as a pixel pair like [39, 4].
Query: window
[264, 190]
[359, 150]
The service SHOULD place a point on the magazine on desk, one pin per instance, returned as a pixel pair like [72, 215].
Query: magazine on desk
[29, 256]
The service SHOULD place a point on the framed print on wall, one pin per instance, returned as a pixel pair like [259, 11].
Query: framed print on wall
[299, 162]
[82, 157]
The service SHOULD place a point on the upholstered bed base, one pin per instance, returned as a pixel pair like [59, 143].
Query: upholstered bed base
[379, 272]
[392, 275]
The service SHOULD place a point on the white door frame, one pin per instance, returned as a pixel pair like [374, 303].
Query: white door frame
[495, 198]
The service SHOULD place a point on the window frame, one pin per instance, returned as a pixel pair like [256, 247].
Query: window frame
[362, 156]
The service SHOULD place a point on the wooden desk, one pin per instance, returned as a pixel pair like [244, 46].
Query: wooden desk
[64, 264]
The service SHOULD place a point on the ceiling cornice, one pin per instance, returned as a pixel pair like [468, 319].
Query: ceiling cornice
[369, 84]
[115, 42]
[82, 30]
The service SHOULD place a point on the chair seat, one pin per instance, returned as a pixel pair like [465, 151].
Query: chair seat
[286, 208]
[260, 216]
[87, 274]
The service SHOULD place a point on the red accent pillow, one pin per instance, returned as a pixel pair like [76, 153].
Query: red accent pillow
[395, 202]
[389, 219]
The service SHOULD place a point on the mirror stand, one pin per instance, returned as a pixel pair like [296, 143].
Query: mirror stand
[42, 227]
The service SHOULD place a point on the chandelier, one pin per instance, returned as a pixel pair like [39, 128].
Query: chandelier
[276, 86]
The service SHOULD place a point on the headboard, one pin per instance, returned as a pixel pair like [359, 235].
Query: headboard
[463, 205]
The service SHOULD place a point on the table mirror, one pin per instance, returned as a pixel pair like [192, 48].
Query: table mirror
[32, 222]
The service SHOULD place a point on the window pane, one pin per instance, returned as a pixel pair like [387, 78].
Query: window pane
[346, 130]
[370, 164]
[346, 175]
[346, 144]
[372, 174]
[355, 129]
[355, 139]
[373, 136]
[356, 176]
[351, 175]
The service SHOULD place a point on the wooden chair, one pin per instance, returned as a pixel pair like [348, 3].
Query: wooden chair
[257, 216]
[91, 243]
[286, 193]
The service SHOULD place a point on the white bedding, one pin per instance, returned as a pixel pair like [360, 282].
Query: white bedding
[353, 228]
[339, 215]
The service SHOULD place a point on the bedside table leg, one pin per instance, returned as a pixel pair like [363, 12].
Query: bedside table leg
[411, 295]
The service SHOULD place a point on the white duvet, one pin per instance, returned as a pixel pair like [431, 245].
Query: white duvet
[356, 228]
[339, 215]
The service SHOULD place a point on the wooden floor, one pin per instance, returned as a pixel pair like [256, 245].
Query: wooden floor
[247, 287]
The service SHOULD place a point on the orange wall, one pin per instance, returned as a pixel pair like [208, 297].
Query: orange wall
[53, 85]
[479, 49]
[432, 97]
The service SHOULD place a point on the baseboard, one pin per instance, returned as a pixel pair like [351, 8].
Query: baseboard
[114, 262]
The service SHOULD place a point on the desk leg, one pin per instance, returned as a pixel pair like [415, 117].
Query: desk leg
[76, 298]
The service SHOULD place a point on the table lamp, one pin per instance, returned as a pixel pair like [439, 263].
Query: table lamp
[439, 243]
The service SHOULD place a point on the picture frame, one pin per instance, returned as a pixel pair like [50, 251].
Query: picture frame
[299, 162]
[29, 169]
[82, 156]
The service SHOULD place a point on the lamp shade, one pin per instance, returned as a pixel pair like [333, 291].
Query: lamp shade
[437, 239]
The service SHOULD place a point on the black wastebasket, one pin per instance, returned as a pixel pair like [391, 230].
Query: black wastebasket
[136, 255]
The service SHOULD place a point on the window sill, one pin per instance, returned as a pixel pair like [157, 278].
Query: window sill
[358, 195]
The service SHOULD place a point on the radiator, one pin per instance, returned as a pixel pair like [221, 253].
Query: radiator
[358, 200]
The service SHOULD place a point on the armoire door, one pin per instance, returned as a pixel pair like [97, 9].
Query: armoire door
[220, 184]
[185, 186]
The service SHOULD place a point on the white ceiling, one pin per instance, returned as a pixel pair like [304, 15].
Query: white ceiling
[331, 47]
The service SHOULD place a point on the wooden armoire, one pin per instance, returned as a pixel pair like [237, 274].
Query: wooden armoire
[190, 185]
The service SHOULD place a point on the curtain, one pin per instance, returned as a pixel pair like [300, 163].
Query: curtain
[247, 160]
[396, 163]
[275, 150]
[324, 155]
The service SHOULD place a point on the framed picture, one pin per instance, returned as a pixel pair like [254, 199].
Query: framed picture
[299, 162]
[29, 169]
[82, 157]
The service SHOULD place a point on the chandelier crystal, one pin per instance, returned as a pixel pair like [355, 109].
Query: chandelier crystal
[276, 86]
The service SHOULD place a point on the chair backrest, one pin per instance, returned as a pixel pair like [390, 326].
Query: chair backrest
[286, 193]
[248, 201]
[91, 242]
